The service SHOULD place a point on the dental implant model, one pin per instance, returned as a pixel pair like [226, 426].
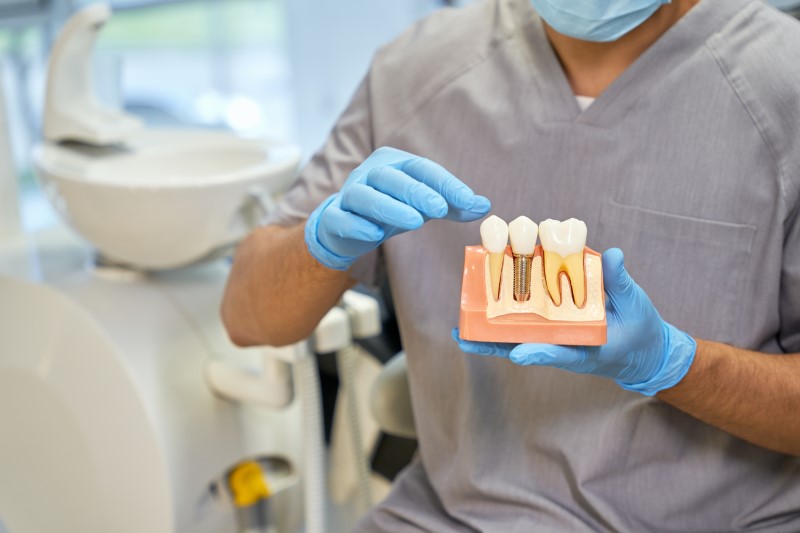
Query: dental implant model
[494, 237]
[523, 232]
[551, 293]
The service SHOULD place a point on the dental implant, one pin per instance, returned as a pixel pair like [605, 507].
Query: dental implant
[522, 232]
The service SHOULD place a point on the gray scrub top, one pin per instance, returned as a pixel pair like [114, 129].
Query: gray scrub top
[689, 162]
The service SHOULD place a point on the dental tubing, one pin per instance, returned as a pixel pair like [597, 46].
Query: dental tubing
[313, 446]
[346, 364]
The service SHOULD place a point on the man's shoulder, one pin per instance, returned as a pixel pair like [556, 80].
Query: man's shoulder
[437, 50]
[450, 32]
[762, 46]
[758, 51]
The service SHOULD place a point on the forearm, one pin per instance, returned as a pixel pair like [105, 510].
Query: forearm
[277, 293]
[751, 395]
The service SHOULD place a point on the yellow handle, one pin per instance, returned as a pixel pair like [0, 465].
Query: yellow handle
[248, 484]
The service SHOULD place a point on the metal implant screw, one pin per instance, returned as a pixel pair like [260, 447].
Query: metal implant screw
[522, 277]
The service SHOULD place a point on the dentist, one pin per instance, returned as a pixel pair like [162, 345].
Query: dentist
[673, 130]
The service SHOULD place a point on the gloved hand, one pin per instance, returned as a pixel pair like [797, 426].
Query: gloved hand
[643, 353]
[391, 192]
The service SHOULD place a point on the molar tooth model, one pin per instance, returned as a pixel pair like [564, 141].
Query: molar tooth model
[551, 293]
[563, 244]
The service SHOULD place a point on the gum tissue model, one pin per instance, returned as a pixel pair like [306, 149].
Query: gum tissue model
[551, 293]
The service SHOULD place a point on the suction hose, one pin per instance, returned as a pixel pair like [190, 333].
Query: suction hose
[313, 447]
[346, 362]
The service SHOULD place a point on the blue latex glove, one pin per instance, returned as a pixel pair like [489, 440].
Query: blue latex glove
[643, 353]
[391, 192]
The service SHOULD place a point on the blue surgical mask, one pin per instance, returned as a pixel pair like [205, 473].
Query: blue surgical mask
[596, 20]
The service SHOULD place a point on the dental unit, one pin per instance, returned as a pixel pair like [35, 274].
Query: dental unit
[549, 293]
[125, 406]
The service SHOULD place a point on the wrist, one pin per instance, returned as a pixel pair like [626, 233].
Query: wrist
[679, 353]
[315, 247]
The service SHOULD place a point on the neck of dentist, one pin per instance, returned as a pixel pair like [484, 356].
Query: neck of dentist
[591, 67]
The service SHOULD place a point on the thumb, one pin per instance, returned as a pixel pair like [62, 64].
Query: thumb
[615, 278]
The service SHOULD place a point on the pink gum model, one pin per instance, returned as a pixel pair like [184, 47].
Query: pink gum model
[519, 327]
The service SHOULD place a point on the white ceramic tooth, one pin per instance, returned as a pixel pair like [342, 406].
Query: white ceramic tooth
[564, 238]
[523, 231]
[494, 234]
[494, 237]
[563, 244]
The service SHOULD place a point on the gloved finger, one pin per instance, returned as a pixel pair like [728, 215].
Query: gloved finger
[496, 349]
[386, 155]
[403, 187]
[479, 210]
[548, 355]
[379, 207]
[346, 225]
[435, 176]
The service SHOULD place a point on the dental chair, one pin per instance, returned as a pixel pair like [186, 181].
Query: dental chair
[390, 399]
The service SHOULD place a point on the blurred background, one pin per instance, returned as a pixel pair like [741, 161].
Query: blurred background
[276, 68]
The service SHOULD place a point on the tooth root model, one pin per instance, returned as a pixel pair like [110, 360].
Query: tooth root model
[563, 244]
[523, 232]
[494, 237]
